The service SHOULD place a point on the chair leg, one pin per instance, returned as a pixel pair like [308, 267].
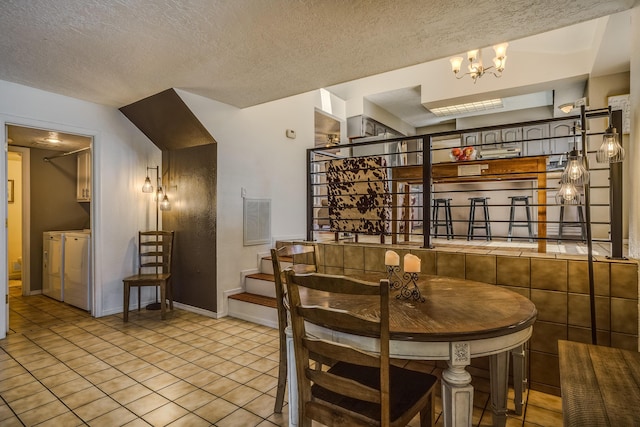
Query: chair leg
[427, 414]
[139, 299]
[512, 216]
[583, 225]
[472, 214]
[170, 294]
[125, 304]
[163, 301]
[487, 222]
[449, 219]
[282, 373]
[529, 226]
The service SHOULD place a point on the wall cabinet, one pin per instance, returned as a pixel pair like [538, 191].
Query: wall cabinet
[471, 139]
[562, 129]
[536, 137]
[83, 189]
[363, 126]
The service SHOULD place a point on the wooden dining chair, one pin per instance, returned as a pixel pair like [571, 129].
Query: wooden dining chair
[305, 260]
[361, 388]
[155, 250]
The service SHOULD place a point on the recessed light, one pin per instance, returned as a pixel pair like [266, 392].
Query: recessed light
[53, 138]
[452, 110]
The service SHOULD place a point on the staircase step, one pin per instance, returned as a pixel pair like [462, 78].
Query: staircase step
[261, 276]
[266, 266]
[254, 308]
[260, 284]
[255, 299]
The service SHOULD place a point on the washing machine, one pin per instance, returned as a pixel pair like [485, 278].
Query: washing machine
[77, 269]
[53, 264]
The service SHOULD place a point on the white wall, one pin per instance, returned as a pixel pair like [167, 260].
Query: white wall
[254, 153]
[120, 155]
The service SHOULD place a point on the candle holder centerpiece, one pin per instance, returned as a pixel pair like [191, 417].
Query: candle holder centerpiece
[407, 285]
[392, 262]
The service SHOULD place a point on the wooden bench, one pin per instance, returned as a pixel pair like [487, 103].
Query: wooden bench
[600, 385]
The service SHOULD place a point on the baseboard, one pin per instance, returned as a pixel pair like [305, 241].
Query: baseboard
[197, 310]
[176, 304]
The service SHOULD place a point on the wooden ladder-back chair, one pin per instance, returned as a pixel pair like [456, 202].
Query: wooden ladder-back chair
[361, 388]
[155, 250]
[305, 260]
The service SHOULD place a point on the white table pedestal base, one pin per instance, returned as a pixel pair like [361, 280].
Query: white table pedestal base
[457, 391]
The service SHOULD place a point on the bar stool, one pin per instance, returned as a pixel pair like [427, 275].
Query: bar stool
[437, 222]
[580, 223]
[486, 225]
[512, 216]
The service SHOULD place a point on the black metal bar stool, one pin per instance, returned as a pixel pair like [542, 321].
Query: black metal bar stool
[438, 222]
[485, 224]
[512, 216]
[580, 223]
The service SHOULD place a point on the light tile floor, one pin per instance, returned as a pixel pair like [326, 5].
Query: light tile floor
[60, 367]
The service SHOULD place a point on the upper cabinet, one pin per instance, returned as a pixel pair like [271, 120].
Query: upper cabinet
[83, 189]
[362, 126]
[536, 137]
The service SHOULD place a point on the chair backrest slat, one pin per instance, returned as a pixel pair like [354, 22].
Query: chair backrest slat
[155, 250]
[307, 346]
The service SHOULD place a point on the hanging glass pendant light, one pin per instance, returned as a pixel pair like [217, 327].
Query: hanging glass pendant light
[165, 205]
[568, 194]
[147, 187]
[610, 151]
[575, 172]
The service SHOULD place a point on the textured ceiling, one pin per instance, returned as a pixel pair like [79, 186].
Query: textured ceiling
[246, 52]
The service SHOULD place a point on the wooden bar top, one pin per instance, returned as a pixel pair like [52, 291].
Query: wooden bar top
[600, 385]
[515, 168]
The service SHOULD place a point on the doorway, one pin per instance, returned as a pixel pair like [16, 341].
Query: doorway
[50, 172]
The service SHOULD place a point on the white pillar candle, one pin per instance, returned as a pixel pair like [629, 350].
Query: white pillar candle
[411, 264]
[391, 258]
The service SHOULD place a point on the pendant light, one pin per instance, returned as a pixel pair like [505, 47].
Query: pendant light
[574, 175]
[568, 194]
[147, 187]
[575, 172]
[610, 150]
[165, 205]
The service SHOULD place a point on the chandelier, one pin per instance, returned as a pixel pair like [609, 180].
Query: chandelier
[476, 69]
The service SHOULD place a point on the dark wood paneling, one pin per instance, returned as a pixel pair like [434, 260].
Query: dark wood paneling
[190, 178]
[167, 121]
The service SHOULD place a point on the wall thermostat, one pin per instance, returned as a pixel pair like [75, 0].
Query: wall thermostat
[291, 133]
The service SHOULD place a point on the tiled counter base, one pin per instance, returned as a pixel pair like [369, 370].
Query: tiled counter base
[558, 286]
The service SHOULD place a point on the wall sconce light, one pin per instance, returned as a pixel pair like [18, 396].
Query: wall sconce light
[476, 69]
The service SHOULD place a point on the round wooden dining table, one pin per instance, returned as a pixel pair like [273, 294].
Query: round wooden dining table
[458, 320]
